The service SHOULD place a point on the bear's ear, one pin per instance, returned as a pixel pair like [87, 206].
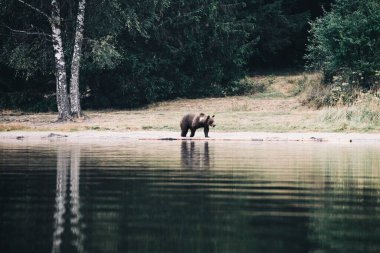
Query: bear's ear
[213, 116]
[208, 117]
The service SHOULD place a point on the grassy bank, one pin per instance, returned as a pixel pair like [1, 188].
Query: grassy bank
[277, 104]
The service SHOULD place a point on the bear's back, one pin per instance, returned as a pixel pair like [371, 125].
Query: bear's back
[187, 120]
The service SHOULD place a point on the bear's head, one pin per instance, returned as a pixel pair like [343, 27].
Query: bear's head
[210, 121]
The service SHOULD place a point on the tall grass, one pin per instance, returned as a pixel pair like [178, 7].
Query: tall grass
[363, 113]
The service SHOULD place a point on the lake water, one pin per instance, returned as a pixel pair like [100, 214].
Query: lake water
[173, 196]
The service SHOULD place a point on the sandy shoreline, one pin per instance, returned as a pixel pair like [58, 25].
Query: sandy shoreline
[111, 136]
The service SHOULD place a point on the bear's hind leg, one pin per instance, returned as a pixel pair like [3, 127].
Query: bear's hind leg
[184, 132]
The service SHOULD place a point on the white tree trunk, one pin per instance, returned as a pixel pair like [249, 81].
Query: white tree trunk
[60, 66]
[65, 110]
[76, 110]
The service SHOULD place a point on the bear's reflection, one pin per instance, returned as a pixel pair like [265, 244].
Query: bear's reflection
[194, 155]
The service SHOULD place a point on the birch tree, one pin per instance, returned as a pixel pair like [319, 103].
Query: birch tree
[75, 63]
[68, 105]
[60, 65]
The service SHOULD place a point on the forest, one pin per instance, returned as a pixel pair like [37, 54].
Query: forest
[126, 54]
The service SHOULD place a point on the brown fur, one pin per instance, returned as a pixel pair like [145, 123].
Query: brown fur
[193, 122]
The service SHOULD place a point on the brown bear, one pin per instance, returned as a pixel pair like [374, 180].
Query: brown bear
[193, 122]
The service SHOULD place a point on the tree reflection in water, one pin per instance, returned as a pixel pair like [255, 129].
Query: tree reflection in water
[68, 164]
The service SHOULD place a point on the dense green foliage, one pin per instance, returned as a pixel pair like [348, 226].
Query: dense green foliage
[183, 49]
[139, 52]
[345, 43]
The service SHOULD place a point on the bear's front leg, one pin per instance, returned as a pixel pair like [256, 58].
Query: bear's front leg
[206, 131]
[192, 132]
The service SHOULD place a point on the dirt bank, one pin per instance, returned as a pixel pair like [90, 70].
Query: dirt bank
[108, 136]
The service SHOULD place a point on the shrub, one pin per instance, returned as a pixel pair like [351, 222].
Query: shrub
[339, 92]
[245, 86]
[27, 101]
[345, 42]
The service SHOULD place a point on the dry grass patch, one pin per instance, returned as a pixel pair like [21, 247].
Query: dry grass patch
[13, 127]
